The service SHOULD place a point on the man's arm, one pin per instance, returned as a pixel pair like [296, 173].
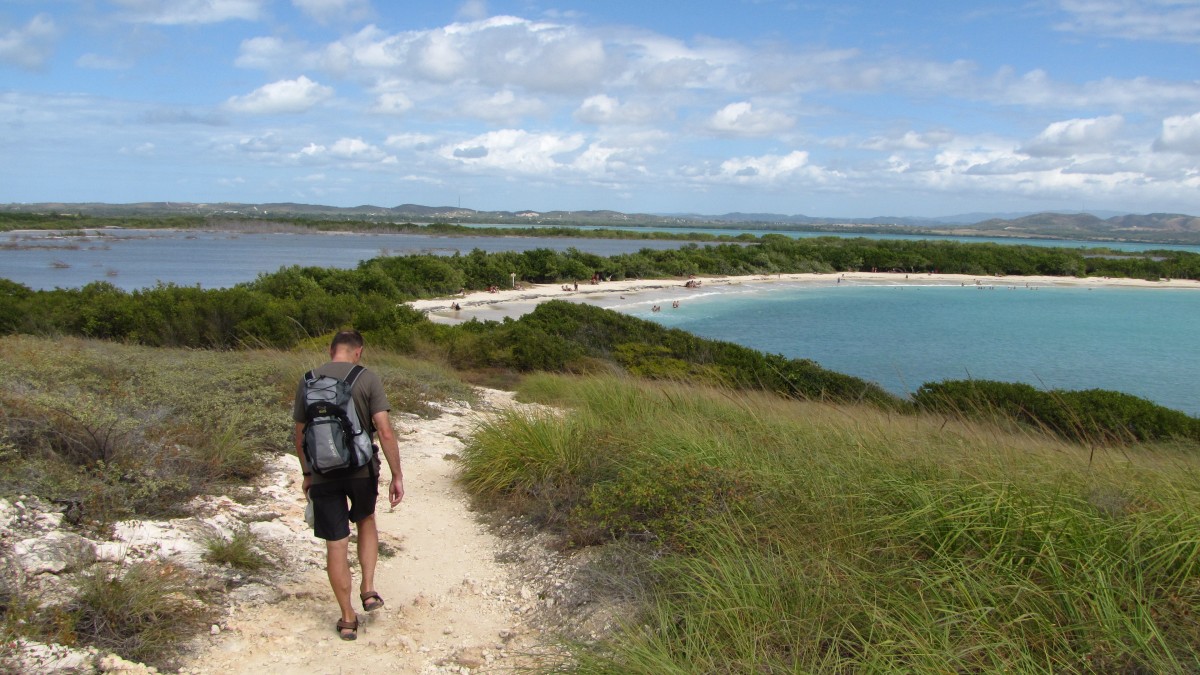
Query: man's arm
[298, 436]
[391, 452]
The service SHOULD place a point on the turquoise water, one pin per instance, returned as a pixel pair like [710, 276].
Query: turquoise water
[1138, 341]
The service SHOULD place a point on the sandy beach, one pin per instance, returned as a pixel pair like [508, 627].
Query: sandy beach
[514, 302]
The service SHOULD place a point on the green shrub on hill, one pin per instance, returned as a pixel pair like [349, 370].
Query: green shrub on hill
[1091, 416]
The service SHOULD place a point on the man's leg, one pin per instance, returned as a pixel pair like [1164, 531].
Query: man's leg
[337, 566]
[368, 552]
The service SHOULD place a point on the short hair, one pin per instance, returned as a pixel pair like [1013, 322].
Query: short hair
[350, 338]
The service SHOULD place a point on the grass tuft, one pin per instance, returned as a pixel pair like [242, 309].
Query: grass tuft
[142, 614]
[242, 551]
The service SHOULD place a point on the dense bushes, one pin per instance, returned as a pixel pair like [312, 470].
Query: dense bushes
[1093, 416]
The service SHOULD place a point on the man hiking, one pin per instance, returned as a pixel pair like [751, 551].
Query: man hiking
[348, 496]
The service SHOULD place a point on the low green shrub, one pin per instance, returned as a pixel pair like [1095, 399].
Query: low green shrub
[541, 466]
[661, 503]
[122, 431]
[1092, 416]
[143, 614]
[242, 551]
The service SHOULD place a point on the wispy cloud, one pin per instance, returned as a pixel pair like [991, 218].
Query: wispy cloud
[1156, 20]
[183, 12]
[335, 11]
[31, 45]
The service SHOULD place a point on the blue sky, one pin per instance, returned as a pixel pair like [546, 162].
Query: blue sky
[786, 106]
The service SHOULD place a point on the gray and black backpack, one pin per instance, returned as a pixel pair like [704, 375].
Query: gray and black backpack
[334, 441]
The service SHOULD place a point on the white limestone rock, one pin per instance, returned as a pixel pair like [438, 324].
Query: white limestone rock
[54, 553]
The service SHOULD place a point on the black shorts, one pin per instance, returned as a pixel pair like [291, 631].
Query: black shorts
[331, 514]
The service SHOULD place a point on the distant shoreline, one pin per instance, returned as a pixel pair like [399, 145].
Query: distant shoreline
[513, 303]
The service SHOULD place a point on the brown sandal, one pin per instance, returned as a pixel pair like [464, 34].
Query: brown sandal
[351, 626]
[370, 601]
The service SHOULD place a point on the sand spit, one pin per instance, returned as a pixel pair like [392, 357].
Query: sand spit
[514, 302]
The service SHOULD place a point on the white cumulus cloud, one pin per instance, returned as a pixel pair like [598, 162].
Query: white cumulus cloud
[603, 109]
[767, 168]
[1181, 134]
[741, 119]
[284, 96]
[515, 150]
[346, 150]
[1076, 136]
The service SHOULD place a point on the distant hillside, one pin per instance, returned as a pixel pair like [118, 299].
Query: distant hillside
[1165, 228]
[1154, 227]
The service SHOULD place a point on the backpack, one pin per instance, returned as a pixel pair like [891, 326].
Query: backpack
[334, 441]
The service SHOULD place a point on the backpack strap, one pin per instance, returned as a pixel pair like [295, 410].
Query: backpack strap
[352, 376]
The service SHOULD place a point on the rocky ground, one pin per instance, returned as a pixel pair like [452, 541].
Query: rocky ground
[462, 596]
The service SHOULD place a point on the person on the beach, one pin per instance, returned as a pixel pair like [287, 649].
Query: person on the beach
[340, 500]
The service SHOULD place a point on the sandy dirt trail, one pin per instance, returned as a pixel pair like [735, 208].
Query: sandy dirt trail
[451, 606]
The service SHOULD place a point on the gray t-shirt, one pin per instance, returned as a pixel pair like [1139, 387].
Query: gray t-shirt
[369, 398]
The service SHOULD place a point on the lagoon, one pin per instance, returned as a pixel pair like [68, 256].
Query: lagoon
[1140, 341]
[133, 259]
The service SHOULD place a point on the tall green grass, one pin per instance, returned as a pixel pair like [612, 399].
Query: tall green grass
[801, 537]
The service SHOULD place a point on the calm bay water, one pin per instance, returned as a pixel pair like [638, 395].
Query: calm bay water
[1139, 341]
[1134, 340]
[133, 259]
